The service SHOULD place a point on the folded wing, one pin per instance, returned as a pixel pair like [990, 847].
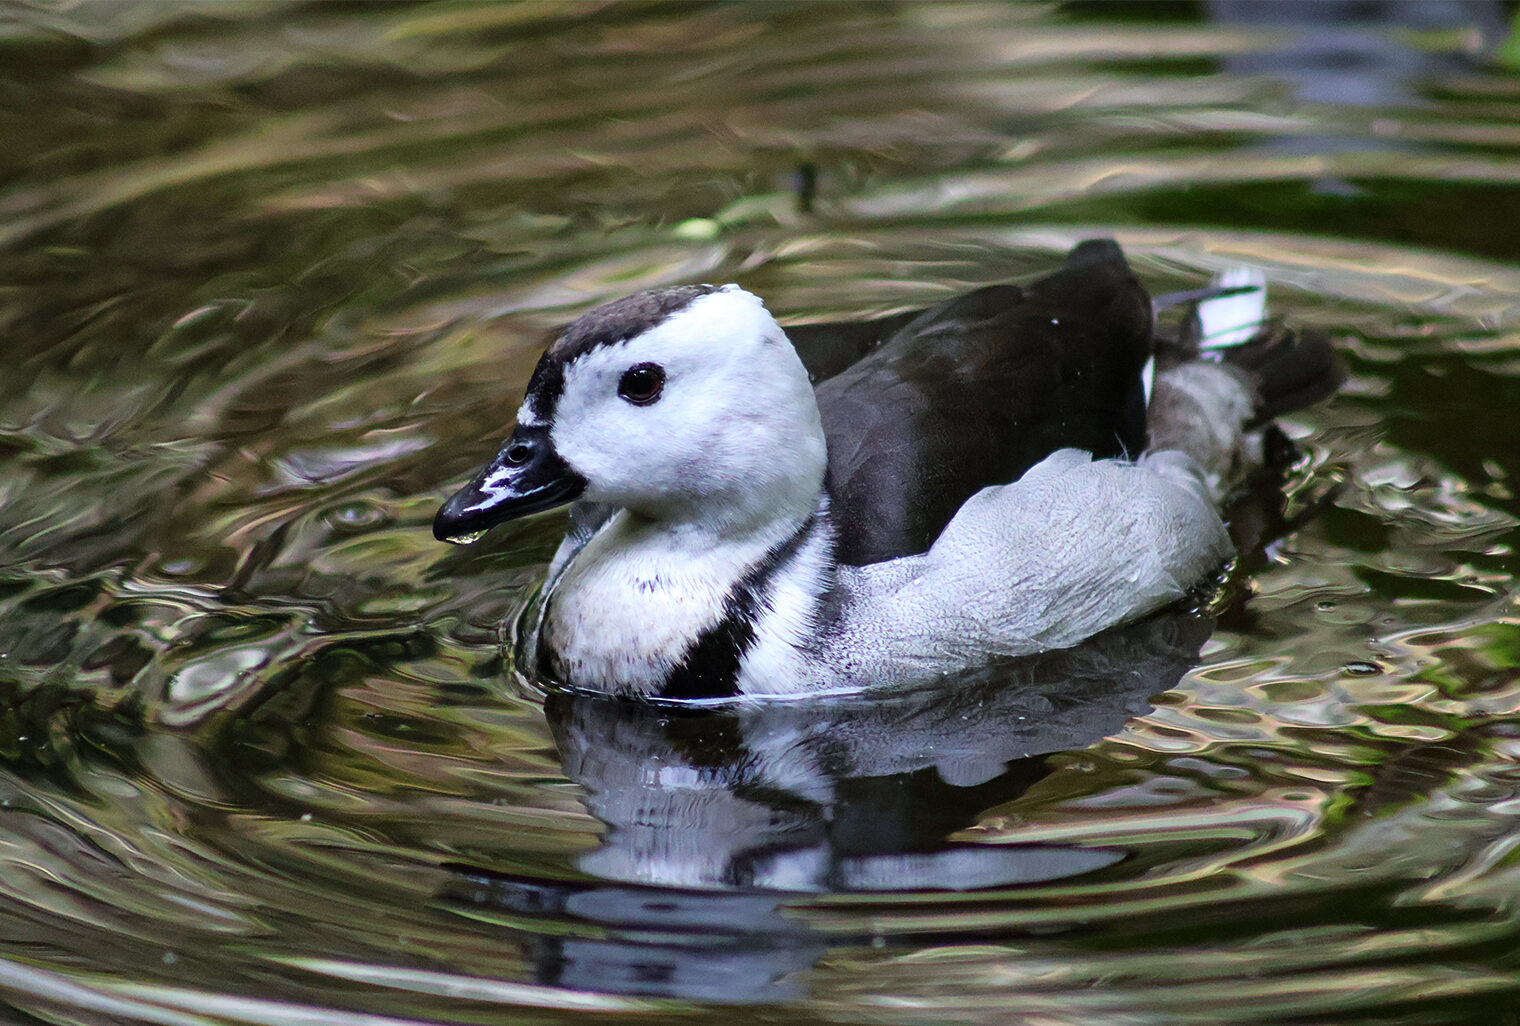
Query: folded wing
[975, 391]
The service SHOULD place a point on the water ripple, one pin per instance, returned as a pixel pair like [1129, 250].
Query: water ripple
[276, 274]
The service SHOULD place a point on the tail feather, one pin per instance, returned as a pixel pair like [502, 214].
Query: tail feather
[1229, 322]
[1290, 370]
[1227, 374]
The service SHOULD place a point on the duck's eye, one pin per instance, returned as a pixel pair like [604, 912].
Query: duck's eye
[641, 384]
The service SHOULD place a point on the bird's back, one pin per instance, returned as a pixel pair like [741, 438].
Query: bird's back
[975, 391]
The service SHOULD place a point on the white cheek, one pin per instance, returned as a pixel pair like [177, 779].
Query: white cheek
[625, 451]
[736, 421]
[607, 445]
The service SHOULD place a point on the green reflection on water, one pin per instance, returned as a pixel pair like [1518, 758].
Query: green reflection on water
[273, 278]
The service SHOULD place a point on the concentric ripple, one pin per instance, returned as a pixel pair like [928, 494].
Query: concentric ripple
[275, 276]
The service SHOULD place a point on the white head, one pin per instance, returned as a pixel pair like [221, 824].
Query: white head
[685, 405]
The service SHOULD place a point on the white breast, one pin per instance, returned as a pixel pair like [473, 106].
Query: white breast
[629, 605]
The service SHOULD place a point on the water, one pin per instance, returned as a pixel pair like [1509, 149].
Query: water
[274, 279]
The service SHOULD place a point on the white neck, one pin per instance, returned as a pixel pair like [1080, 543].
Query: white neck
[743, 512]
[725, 467]
[632, 603]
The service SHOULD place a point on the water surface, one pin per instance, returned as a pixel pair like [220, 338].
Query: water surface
[273, 280]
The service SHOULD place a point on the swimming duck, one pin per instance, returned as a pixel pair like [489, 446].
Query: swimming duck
[1011, 471]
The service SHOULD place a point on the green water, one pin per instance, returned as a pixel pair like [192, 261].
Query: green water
[272, 278]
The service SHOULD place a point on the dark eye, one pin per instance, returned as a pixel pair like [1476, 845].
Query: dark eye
[641, 384]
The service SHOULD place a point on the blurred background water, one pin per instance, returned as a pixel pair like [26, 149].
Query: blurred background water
[272, 277]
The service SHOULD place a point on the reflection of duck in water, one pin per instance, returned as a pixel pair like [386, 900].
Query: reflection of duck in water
[855, 792]
[715, 815]
[740, 533]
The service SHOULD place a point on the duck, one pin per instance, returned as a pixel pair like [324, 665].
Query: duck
[758, 511]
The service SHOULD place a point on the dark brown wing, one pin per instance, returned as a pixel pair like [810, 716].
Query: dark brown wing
[829, 349]
[975, 391]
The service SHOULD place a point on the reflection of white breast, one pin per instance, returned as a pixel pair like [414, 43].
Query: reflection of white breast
[769, 793]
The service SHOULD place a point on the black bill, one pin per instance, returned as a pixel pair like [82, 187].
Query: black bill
[525, 477]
